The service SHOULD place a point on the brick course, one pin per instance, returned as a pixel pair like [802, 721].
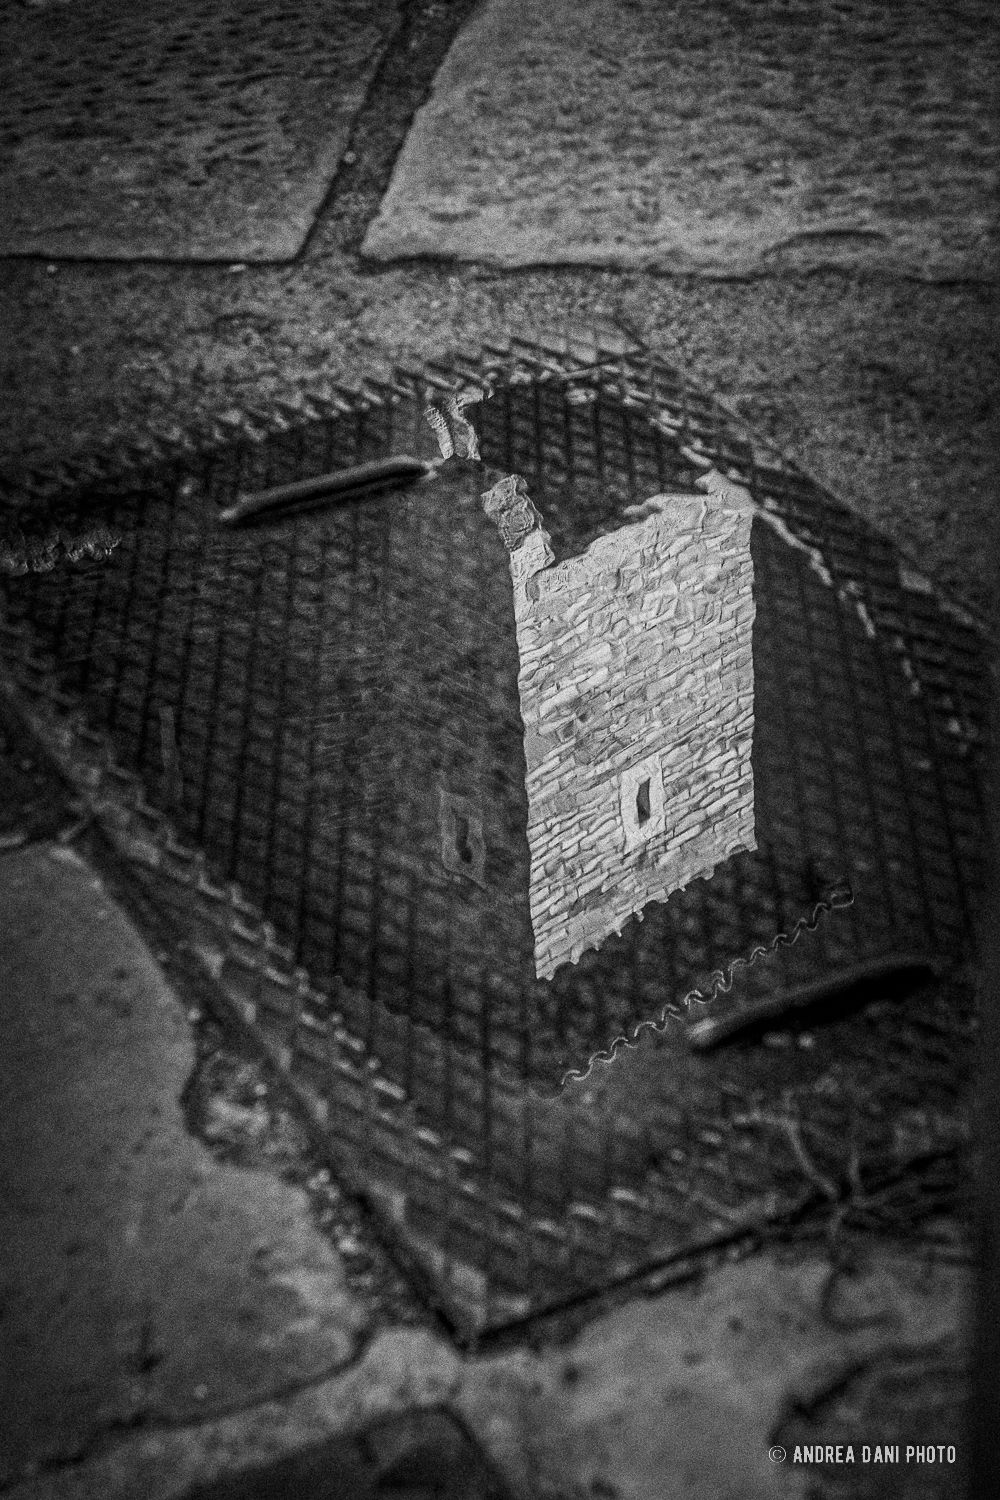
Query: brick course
[635, 682]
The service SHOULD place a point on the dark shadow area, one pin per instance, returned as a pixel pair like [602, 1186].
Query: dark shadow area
[420, 1456]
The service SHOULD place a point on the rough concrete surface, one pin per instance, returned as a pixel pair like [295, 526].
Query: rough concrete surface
[676, 1397]
[141, 1280]
[726, 137]
[185, 131]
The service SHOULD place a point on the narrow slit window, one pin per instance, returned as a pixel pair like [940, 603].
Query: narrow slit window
[463, 848]
[640, 802]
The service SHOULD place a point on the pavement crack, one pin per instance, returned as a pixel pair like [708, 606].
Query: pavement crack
[101, 1438]
[402, 83]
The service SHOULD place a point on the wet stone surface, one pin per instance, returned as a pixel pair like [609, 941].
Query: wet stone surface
[722, 138]
[427, 1454]
[143, 1281]
[274, 687]
[200, 132]
[243, 1117]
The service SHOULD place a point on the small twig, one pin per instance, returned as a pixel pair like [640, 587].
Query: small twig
[820, 1179]
[70, 832]
[790, 1129]
[860, 1198]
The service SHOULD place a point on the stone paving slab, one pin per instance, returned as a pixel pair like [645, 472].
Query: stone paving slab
[717, 136]
[675, 1396]
[197, 130]
[139, 1278]
[421, 1455]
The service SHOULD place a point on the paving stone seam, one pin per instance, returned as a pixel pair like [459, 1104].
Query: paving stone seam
[401, 84]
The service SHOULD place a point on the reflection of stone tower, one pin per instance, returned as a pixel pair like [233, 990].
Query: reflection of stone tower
[515, 754]
[422, 857]
[636, 690]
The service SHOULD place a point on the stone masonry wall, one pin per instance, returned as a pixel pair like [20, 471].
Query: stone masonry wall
[636, 688]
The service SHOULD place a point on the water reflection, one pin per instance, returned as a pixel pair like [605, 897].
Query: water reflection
[636, 694]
